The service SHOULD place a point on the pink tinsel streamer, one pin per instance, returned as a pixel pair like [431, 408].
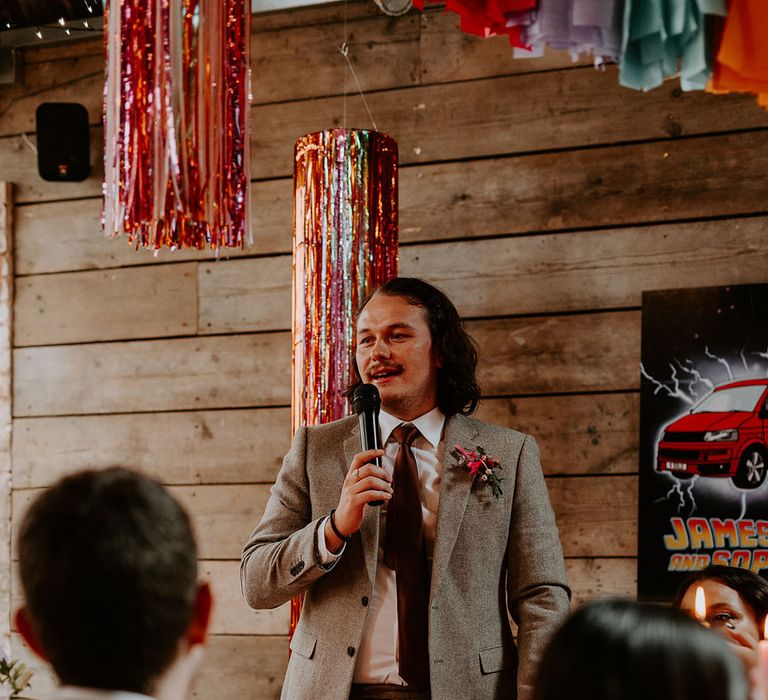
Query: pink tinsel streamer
[176, 122]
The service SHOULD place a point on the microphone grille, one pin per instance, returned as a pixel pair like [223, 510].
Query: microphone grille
[366, 398]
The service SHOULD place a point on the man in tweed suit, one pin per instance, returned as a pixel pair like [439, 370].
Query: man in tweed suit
[370, 626]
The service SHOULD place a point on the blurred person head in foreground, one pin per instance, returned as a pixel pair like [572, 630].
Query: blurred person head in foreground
[108, 566]
[736, 606]
[624, 650]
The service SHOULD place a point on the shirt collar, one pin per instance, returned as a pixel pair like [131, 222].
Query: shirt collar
[70, 692]
[430, 425]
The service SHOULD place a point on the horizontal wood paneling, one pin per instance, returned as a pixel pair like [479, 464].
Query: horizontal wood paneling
[540, 355]
[641, 183]
[71, 78]
[592, 434]
[190, 447]
[591, 579]
[158, 375]
[234, 666]
[511, 120]
[245, 295]
[590, 270]
[223, 515]
[385, 54]
[149, 302]
[231, 614]
[596, 433]
[597, 515]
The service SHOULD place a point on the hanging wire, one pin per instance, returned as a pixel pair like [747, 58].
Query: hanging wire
[345, 52]
[344, 48]
[344, 43]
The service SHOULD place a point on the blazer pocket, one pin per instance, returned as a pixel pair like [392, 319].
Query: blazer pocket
[303, 643]
[495, 659]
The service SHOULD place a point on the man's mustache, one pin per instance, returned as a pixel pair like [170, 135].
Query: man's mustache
[383, 368]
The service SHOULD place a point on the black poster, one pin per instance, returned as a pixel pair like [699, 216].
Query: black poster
[703, 441]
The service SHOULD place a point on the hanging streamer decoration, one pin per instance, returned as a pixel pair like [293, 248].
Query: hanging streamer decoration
[344, 246]
[176, 136]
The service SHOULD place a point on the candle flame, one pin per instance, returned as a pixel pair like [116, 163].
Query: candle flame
[700, 606]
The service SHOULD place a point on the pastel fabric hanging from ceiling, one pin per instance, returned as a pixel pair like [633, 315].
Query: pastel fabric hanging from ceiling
[742, 59]
[662, 37]
[578, 26]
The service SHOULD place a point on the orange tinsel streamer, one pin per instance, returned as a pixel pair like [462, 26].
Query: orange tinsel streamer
[176, 150]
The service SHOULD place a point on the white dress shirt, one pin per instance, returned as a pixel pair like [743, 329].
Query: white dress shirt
[377, 659]
[70, 692]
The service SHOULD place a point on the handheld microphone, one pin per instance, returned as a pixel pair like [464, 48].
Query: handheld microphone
[366, 402]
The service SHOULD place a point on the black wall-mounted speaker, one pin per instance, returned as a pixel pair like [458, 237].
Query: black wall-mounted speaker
[63, 142]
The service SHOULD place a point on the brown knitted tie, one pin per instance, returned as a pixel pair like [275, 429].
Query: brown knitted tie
[405, 553]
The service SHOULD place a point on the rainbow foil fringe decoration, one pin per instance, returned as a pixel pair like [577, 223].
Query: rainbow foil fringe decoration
[176, 122]
[344, 246]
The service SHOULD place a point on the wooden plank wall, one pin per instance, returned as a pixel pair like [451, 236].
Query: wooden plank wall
[541, 196]
[6, 421]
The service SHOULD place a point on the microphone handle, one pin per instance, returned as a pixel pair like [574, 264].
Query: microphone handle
[370, 440]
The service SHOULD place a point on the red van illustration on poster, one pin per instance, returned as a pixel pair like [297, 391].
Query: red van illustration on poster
[724, 435]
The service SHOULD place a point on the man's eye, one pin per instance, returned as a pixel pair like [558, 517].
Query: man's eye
[365, 341]
[398, 336]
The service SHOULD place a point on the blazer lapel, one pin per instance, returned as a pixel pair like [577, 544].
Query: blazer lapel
[454, 494]
[369, 529]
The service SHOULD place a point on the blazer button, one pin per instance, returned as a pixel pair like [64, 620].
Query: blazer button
[351, 651]
[365, 601]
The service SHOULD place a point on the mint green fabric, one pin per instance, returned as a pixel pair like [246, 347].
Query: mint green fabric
[664, 37]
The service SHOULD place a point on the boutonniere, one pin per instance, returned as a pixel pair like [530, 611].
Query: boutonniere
[481, 466]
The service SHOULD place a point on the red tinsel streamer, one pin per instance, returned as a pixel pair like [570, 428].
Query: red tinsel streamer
[490, 17]
[176, 127]
[344, 246]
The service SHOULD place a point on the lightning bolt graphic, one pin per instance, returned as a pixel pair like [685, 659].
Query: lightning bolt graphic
[723, 362]
[660, 386]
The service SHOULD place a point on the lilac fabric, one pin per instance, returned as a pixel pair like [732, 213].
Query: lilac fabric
[578, 26]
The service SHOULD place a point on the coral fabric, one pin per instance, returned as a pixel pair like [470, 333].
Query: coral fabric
[742, 60]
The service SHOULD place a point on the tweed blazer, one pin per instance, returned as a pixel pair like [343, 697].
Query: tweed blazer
[490, 557]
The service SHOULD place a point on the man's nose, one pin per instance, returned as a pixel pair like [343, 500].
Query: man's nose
[380, 348]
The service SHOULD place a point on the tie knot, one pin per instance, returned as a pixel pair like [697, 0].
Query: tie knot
[405, 434]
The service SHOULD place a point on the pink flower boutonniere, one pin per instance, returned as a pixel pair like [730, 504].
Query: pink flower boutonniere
[481, 466]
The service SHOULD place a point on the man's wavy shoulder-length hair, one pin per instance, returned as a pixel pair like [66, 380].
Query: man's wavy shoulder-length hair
[457, 387]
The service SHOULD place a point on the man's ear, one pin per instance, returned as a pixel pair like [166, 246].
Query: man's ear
[198, 630]
[27, 632]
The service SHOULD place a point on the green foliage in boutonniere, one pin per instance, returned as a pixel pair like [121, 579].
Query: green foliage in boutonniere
[481, 466]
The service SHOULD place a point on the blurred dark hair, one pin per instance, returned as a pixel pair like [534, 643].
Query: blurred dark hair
[624, 650]
[752, 588]
[457, 387]
[108, 565]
